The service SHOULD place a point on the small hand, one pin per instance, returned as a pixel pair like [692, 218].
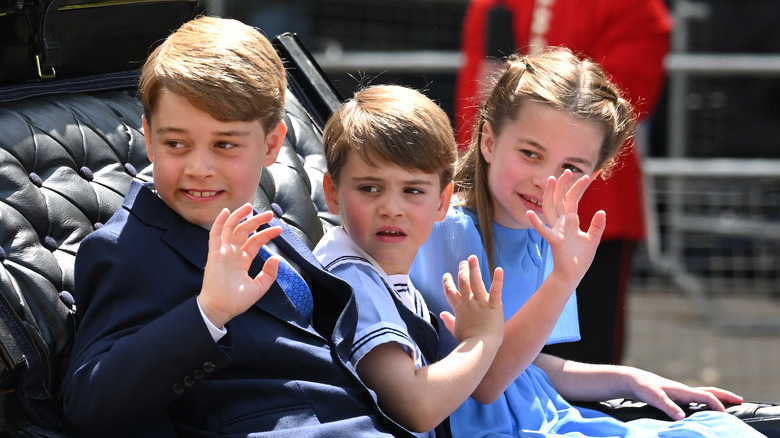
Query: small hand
[573, 250]
[227, 289]
[477, 313]
[667, 395]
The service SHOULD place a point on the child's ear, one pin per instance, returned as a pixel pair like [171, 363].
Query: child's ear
[331, 193]
[147, 138]
[273, 143]
[444, 202]
[487, 142]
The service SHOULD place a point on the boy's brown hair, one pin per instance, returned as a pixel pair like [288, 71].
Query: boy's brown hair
[395, 124]
[223, 67]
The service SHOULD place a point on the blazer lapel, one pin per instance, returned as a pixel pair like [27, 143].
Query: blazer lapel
[335, 310]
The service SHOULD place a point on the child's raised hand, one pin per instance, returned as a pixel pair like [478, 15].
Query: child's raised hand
[228, 290]
[477, 313]
[573, 249]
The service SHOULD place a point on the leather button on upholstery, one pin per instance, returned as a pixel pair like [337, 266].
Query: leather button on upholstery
[198, 374]
[277, 209]
[35, 179]
[177, 388]
[49, 243]
[67, 299]
[208, 367]
[86, 173]
[130, 169]
[189, 381]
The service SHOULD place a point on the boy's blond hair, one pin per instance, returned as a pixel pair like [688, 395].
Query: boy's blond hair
[395, 124]
[223, 67]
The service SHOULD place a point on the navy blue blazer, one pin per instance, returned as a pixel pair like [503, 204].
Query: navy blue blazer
[144, 364]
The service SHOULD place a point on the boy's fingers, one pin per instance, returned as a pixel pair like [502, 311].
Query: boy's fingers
[475, 278]
[267, 276]
[253, 223]
[463, 278]
[260, 238]
[237, 216]
[215, 234]
[450, 291]
[449, 321]
[496, 287]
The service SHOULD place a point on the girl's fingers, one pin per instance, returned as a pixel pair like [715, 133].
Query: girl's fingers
[536, 222]
[574, 194]
[597, 225]
[561, 189]
[548, 200]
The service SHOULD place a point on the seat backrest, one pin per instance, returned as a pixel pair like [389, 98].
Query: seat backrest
[66, 161]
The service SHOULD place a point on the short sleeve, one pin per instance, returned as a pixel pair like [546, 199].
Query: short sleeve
[378, 318]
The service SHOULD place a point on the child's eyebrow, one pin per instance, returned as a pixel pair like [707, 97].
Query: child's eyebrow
[420, 182]
[578, 160]
[408, 182]
[229, 133]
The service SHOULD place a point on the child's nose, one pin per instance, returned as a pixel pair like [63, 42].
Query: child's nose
[199, 163]
[540, 177]
[390, 205]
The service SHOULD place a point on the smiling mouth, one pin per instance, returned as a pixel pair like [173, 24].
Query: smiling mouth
[200, 194]
[537, 203]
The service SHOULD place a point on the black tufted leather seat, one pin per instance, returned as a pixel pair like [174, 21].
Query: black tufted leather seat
[66, 161]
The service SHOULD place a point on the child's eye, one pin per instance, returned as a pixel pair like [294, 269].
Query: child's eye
[225, 145]
[529, 153]
[574, 169]
[174, 144]
[414, 191]
[368, 189]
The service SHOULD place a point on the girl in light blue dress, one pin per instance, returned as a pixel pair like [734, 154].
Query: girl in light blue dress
[551, 123]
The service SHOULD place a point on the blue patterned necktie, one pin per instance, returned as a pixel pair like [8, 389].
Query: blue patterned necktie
[293, 285]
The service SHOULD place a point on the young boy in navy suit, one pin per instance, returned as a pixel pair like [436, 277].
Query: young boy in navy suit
[183, 329]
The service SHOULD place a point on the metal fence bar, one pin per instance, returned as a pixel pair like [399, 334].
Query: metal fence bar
[723, 64]
[417, 61]
[432, 61]
[712, 167]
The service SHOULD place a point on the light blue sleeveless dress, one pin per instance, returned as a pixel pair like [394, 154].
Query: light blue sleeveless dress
[530, 406]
